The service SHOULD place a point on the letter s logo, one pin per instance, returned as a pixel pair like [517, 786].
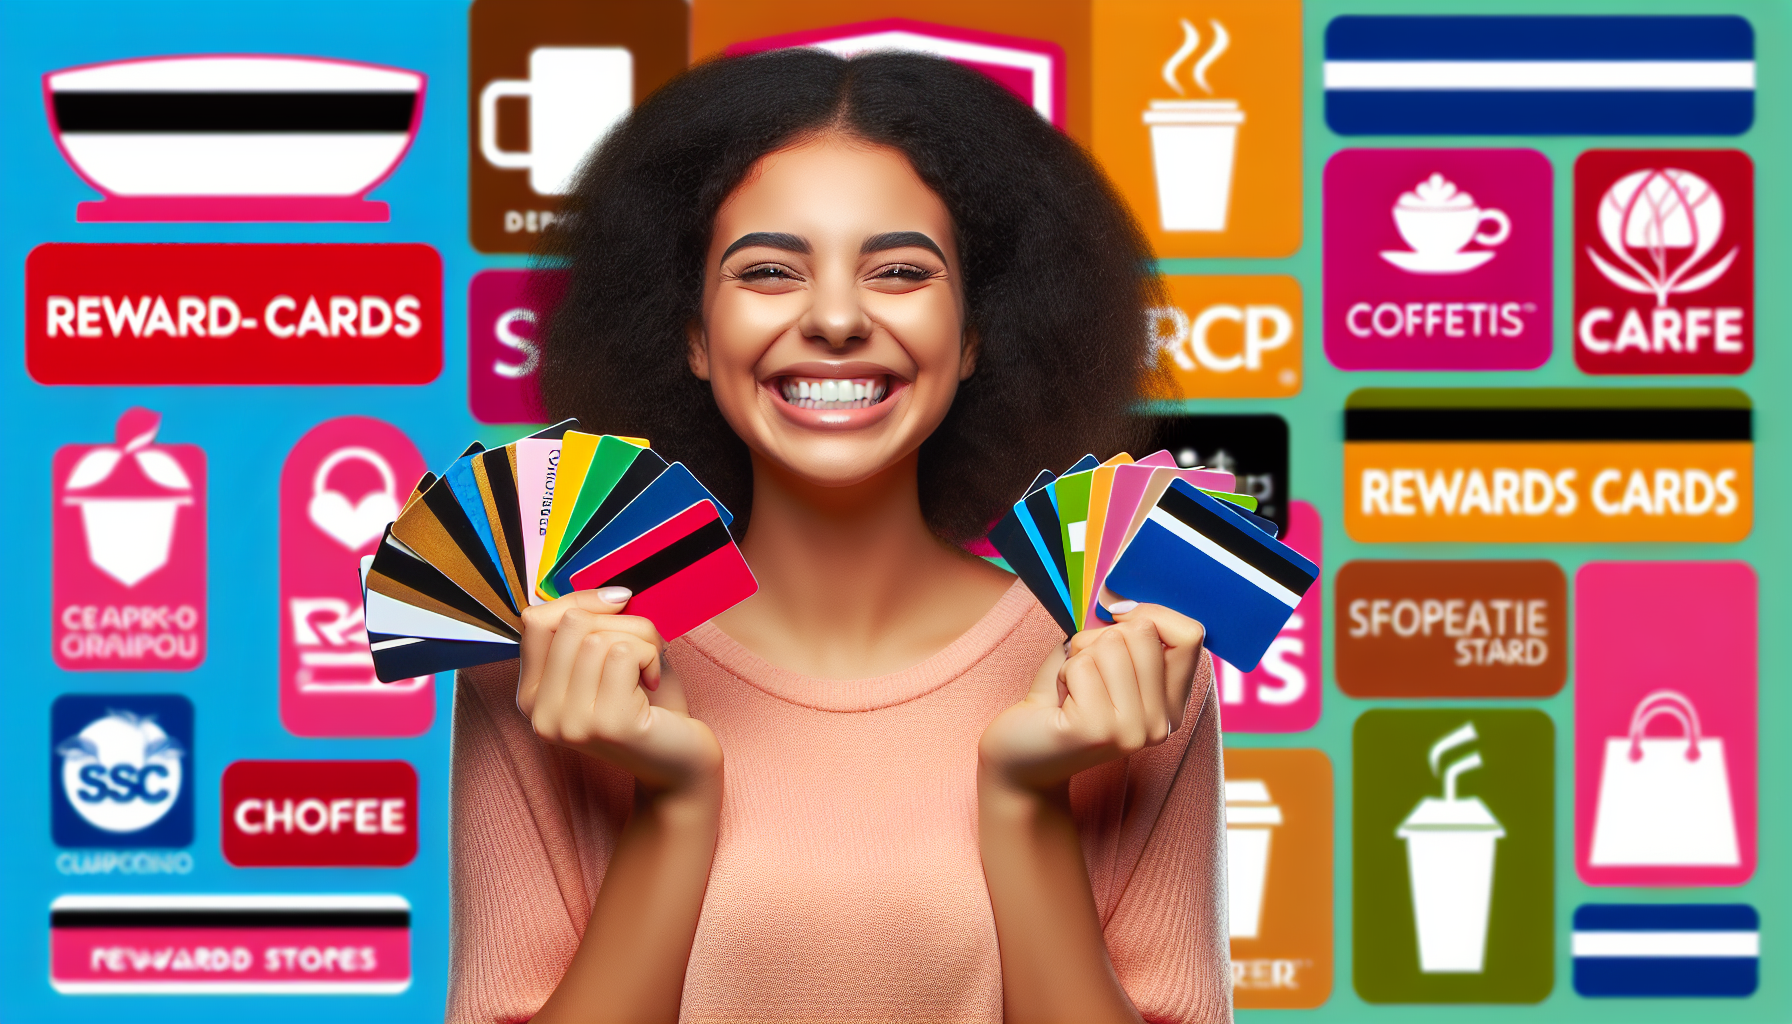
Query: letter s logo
[505, 329]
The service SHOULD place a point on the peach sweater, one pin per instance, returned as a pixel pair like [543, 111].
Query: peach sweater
[847, 884]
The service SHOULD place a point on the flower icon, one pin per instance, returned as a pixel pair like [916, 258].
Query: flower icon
[1661, 223]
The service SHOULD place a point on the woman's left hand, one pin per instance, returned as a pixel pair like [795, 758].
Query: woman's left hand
[1111, 691]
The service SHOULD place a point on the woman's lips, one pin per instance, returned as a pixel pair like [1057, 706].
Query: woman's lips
[834, 403]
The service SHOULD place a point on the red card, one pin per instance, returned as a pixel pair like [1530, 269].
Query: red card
[683, 572]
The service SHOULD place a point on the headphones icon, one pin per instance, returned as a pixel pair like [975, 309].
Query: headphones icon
[354, 525]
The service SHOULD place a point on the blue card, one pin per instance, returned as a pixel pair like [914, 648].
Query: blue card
[1195, 555]
[671, 492]
[466, 492]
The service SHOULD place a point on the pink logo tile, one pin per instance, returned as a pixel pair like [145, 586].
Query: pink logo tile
[128, 552]
[342, 483]
[1282, 693]
[1437, 259]
[507, 318]
[1664, 746]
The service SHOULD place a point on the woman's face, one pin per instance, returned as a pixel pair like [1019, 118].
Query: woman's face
[833, 311]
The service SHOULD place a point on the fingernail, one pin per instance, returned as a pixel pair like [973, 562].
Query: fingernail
[1118, 607]
[614, 595]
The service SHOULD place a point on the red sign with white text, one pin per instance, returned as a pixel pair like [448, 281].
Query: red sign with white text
[342, 483]
[233, 314]
[128, 542]
[319, 813]
[1664, 261]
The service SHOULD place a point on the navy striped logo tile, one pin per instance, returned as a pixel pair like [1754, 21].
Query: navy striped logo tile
[1508, 75]
[1666, 949]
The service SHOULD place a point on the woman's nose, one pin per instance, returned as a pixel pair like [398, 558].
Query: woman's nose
[836, 318]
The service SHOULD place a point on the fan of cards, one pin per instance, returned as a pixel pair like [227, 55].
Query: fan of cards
[1148, 531]
[558, 511]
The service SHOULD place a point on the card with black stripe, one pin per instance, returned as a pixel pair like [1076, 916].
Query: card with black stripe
[682, 572]
[1198, 555]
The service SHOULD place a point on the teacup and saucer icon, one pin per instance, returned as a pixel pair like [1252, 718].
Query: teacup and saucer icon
[1437, 220]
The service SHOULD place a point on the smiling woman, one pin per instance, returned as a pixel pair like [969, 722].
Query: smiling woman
[861, 298]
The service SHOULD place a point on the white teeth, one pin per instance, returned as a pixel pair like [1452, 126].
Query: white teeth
[833, 393]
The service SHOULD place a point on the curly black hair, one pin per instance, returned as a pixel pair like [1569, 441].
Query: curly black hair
[1056, 273]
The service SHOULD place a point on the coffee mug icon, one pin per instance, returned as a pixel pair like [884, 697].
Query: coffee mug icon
[575, 94]
[1437, 220]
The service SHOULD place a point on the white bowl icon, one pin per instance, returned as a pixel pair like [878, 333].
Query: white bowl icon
[234, 138]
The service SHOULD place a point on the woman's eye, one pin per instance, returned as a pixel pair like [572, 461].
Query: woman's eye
[767, 272]
[903, 272]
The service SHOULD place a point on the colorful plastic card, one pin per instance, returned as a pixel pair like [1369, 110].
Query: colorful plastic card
[681, 573]
[1199, 556]
[670, 493]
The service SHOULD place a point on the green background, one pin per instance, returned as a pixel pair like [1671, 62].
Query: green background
[1391, 775]
[1315, 421]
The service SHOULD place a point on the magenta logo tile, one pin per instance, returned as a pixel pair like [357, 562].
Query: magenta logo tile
[1664, 745]
[507, 318]
[1437, 259]
[1282, 693]
[128, 552]
[1032, 69]
[342, 483]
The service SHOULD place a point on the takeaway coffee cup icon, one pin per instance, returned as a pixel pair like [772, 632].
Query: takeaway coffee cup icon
[1437, 220]
[1193, 142]
[1449, 855]
[575, 94]
[1250, 816]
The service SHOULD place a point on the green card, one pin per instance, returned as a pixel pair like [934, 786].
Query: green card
[1453, 855]
[1072, 494]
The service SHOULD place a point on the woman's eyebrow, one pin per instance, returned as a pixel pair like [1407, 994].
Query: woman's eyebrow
[769, 239]
[899, 240]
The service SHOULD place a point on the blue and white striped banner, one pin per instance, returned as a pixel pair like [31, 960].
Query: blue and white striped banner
[1666, 949]
[1570, 75]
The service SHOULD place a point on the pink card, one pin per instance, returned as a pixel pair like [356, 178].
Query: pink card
[1282, 694]
[507, 315]
[1437, 259]
[1664, 723]
[342, 483]
[128, 542]
[537, 464]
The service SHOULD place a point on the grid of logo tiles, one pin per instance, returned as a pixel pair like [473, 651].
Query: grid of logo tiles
[1550, 565]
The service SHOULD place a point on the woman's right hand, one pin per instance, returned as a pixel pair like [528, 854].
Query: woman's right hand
[592, 680]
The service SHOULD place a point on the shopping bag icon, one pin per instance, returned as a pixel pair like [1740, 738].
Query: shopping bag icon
[1664, 801]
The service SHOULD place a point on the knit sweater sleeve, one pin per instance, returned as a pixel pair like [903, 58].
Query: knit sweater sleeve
[1158, 868]
[531, 833]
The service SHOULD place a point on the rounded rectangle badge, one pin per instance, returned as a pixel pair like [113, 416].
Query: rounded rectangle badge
[342, 483]
[1438, 259]
[1664, 261]
[1279, 876]
[128, 552]
[1198, 121]
[1419, 628]
[1665, 775]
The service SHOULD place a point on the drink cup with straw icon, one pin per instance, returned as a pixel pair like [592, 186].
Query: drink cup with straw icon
[1449, 855]
[1193, 143]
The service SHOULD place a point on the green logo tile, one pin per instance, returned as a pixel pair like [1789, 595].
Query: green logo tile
[1453, 835]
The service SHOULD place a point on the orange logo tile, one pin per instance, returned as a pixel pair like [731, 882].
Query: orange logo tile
[1230, 336]
[1279, 876]
[1197, 107]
